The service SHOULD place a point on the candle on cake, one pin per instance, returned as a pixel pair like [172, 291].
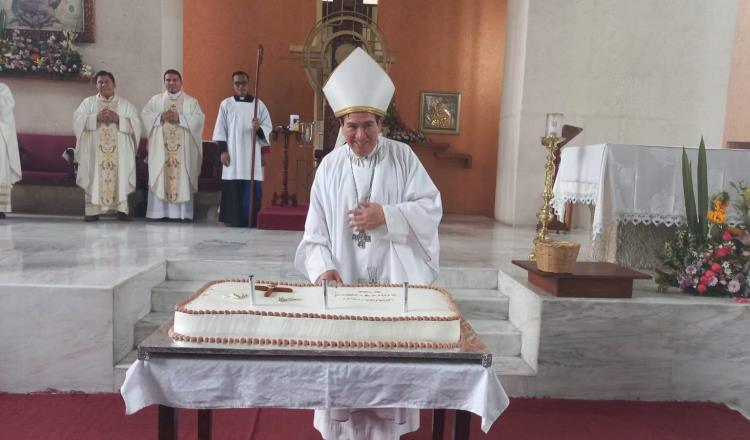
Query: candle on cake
[252, 290]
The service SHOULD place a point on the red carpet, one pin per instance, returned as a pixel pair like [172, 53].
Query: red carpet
[288, 218]
[102, 416]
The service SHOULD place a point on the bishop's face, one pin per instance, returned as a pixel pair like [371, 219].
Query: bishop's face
[105, 86]
[173, 83]
[241, 85]
[361, 132]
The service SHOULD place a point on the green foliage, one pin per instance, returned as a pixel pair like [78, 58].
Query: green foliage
[696, 220]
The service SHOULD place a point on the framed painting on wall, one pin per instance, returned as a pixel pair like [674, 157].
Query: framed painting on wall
[36, 19]
[439, 112]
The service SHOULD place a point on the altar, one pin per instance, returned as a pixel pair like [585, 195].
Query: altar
[635, 194]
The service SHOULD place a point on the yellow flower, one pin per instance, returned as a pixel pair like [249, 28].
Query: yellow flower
[717, 216]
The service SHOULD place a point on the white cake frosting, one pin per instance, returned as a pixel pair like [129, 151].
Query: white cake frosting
[356, 316]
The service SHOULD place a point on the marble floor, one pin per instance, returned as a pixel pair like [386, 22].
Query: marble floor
[64, 251]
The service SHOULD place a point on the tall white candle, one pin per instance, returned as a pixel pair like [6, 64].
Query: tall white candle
[554, 124]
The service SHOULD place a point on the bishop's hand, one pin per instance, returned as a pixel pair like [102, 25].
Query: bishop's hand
[329, 275]
[368, 216]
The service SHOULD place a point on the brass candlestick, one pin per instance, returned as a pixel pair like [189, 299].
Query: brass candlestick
[545, 215]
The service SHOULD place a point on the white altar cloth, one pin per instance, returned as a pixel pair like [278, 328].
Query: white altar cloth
[640, 184]
[201, 383]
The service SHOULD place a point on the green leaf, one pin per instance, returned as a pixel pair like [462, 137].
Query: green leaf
[702, 192]
[687, 189]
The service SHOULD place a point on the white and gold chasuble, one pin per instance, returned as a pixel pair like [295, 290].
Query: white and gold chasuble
[175, 154]
[105, 153]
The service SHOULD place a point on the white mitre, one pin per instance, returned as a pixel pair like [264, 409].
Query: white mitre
[359, 84]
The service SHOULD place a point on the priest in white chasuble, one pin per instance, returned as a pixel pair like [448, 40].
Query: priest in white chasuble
[373, 217]
[10, 161]
[174, 123]
[233, 133]
[107, 129]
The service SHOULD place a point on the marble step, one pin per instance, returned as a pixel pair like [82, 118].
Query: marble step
[148, 324]
[170, 292]
[501, 337]
[474, 303]
[197, 270]
[122, 367]
[481, 303]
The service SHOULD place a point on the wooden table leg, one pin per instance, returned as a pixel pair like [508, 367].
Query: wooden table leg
[204, 424]
[461, 423]
[438, 424]
[167, 423]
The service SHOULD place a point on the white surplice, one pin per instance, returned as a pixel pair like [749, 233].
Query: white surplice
[234, 125]
[88, 154]
[406, 248]
[10, 162]
[190, 155]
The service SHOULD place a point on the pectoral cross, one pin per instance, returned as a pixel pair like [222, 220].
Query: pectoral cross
[362, 239]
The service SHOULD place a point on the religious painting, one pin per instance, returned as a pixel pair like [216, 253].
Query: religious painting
[439, 112]
[37, 19]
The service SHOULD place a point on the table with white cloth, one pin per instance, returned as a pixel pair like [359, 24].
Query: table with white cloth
[210, 376]
[636, 196]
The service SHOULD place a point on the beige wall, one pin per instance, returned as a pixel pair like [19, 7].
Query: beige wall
[129, 37]
[636, 72]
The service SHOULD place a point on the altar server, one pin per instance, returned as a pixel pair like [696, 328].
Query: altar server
[107, 129]
[174, 122]
[233, 133]
[10, 162]
[373, 217]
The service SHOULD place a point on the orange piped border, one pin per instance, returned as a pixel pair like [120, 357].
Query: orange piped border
[312, 342]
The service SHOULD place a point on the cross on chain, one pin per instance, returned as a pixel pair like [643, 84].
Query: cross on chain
[362, 239]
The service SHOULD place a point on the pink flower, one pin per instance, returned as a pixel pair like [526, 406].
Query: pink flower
[701, 289]
[726, 236]
[716, 267]
[723, 251]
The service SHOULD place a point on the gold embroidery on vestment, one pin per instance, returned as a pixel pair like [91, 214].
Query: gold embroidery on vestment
[172, 144]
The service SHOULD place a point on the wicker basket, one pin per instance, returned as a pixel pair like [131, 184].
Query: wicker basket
[556, 256]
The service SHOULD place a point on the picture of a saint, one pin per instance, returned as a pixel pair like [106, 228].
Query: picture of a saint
[44, 15]
[35, 14]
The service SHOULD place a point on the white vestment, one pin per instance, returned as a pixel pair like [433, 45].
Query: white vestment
[105, 153]
[406, 248]
[234, 125]
[10, 162]
[175, 154]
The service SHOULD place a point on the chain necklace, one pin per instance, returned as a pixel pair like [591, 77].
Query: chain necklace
[361, 237]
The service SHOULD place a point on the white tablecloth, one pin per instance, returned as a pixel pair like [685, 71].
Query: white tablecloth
[313, 384]
[640, 184]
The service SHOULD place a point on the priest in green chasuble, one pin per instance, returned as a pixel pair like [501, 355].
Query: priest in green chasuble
[373, 218]
[107, 129]
[174, 123]
[10, 161]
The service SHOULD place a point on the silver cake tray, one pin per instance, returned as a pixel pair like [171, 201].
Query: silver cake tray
[160, 344]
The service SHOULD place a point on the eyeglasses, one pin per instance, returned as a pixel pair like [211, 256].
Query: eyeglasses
[240, 83]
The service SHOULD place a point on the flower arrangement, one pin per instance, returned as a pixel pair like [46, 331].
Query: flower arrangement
[56, 57]
[707, 256]
[397, 130]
